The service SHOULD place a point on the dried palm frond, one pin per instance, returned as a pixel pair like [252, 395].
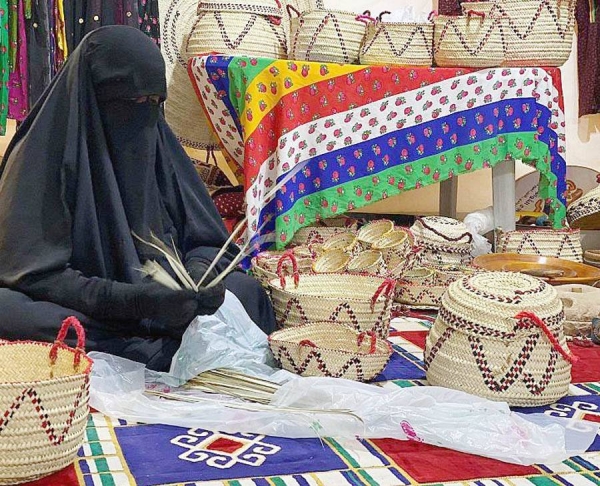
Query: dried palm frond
[159, 274]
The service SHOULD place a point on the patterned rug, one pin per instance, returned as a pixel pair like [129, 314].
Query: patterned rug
[117, 453]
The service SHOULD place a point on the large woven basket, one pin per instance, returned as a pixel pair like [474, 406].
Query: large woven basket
[359, 301]
[318, 234]
[537, 32]
[585, 212]
[325, 36]
[444, 241]
[397, 43]
[565, 244]
[264, 265]
[473, 40]
[330, 349]
[43, 405]
[499, 335]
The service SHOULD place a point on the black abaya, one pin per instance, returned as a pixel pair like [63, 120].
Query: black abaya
[94, 162]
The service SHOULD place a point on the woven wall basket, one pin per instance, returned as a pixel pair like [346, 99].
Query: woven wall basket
[182, 106]
[585, 212]
[444, 241]
[565, 244]
[43, 405]
[330, 349]
[325, 36]
[361, 302]
[397, 43]
[468, 41]
[499, 335]
[537, 32]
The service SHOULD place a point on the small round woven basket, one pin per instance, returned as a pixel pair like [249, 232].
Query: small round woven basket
[374, 231]
[342, 241]
[362, 302]
[317, 235]
[331, 261]
[444, 241]
[394, 243]
[44, 391]
[369, 261]
[585, 212]
[330, 349]
[499, 335]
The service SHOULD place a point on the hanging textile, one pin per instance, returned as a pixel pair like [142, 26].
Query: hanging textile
[148, 18]
[18, 82]
[4, 64]
[588, 54]
[38, 50]
[449, 7]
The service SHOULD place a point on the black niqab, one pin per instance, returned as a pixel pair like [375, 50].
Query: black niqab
[90, 165]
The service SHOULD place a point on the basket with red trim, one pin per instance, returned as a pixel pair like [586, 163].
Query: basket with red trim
[314, 350]
[363, 302]
[44, 391]
[499, 335]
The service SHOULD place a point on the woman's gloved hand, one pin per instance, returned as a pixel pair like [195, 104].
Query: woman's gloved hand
[197, 269]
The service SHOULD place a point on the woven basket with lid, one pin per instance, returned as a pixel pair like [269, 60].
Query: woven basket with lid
[444, 241]
[499, 335]
[565, 244]
[44, 390]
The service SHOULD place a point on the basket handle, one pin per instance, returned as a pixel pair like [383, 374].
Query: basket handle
[386, 288]
[307, 342]
[528, 319]
[288, 255]
[468, 235]
[385, 12]
[365, 19]
[373, 344]
[60, 340]
[432, 15]
[290, 9]
[478, 14]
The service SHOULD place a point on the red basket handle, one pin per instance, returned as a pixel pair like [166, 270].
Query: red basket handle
[441, 235]
[365, 19]
[432, 15]
[60, 340]
[473, 12]
[386, 288]
[290, 9]
[528, 319]
[307, 342]
[371, 334]
[288, 255]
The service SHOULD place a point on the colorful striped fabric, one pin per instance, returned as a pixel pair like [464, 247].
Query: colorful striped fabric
[347, 136]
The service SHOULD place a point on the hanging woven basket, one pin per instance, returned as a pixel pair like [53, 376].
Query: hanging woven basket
[330, 349]
[43, 405]
[499, 335]
[409, 44]
[361, 302]
[565, 244]
[325, 36]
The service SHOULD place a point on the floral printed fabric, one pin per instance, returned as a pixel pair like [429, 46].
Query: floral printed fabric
[4, 65]
[343, 137]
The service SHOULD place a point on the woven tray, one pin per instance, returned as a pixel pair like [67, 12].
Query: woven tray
[361, 302]
[565, 244]
[397, 43]
[330, 349]
[500, 336]
[53, 379]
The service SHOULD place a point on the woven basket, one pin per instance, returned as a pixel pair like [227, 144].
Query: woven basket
[393, 243]
[250, 27]
[330, 349]
[374, 231]
[264, 265]
[592, 257]
[325, 36]
[331, 262]
[565, 244]
[585, 212]
[581, 304]
[499, 335]
[361, 302]
[341, 241]
[397, 43]
[43, 405]
[182, 105]
[311, 235]
[369, 261]
[537, 32]
[474, 40]
[397, 266]
[444, 241]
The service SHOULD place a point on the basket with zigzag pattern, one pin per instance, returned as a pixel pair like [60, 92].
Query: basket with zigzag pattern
[565, 244]
[400, 43]
[363, 302]
[499, 335]
[43, 405]
[314, 350]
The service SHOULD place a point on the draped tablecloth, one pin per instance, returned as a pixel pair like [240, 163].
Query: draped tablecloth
[340, 137]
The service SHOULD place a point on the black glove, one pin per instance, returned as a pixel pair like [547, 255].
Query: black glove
[197, 268]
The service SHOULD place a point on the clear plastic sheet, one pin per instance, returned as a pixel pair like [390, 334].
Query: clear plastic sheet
[324, 407]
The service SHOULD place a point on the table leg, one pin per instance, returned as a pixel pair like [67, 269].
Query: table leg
[448, 197]
[503, 184]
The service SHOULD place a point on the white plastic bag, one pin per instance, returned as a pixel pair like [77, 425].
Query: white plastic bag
[479, 223]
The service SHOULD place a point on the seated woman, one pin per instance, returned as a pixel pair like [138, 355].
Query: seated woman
[94, 163]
